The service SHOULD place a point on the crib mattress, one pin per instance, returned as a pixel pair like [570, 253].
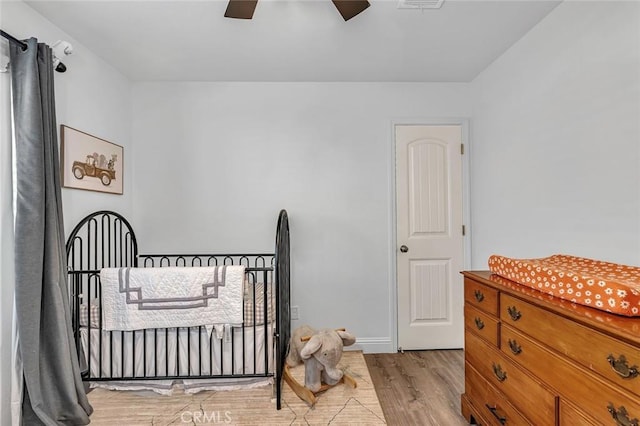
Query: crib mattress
[178, 351]
[602, 285]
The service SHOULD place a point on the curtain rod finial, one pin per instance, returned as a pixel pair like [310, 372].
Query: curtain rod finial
[61, 49]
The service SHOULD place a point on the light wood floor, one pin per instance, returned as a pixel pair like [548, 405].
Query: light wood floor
[413, 388]
[419, 387]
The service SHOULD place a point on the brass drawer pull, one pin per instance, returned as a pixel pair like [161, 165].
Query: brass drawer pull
[479, 323]
[514, 313]
[515, 347]
[497, 370]
[621, 366]
[494, 411]
[479, 296]
[621, 416]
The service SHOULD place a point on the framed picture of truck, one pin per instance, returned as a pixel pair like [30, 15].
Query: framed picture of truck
[90, 163]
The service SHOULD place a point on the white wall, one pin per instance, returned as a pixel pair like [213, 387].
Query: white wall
[91, 96]
[556, 139]
[7, 277]
[214, 163]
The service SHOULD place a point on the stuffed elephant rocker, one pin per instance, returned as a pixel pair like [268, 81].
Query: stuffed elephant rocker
[320, 354]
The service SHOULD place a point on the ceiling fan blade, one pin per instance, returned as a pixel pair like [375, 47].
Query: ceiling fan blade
[240, 9]
[350, 8]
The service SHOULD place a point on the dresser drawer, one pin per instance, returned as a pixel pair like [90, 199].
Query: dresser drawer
[481, 296]
[534, 401]
[572, 416]
[470, 412]
[616, 361]
[491, 403]
[572, 381]
[482, 324]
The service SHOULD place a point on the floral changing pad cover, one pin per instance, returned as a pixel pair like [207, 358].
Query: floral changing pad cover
[602, 285]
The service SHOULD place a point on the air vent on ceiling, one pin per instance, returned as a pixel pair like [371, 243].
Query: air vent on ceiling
[420, 4]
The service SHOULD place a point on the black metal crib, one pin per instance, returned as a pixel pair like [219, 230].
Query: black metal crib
[105, 239]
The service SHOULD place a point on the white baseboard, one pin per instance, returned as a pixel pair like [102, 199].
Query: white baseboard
[372, 345]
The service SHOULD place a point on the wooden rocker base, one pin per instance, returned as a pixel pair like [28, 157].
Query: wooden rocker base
[307, 395]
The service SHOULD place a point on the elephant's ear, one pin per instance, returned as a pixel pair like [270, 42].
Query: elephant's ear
[348, 339]
[311, 347]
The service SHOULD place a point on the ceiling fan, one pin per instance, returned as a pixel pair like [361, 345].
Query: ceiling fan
[243, 9]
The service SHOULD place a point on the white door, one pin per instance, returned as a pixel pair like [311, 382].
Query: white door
[430, 245]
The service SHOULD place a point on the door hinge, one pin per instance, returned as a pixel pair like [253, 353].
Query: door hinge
[464, 230]
[461, 149]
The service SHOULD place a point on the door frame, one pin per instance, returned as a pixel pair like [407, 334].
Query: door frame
[466, 207]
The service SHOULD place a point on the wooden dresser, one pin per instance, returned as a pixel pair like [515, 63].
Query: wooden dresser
[534, 359]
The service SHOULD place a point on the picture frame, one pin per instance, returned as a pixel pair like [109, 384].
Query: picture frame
[90, 163]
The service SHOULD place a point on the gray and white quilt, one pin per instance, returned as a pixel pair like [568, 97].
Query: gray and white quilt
[143, 298]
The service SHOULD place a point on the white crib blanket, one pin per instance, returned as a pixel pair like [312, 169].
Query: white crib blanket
[142, 298]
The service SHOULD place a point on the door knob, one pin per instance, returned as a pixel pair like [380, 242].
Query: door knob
[404, 248]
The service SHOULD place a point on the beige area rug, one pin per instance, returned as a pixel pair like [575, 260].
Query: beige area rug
[340, 405]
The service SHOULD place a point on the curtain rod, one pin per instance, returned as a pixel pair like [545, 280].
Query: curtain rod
[58, 66]
[13, 39]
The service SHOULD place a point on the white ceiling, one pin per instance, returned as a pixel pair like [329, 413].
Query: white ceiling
[295, 40]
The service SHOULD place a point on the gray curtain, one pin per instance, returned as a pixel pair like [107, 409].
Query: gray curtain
[54, 393]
